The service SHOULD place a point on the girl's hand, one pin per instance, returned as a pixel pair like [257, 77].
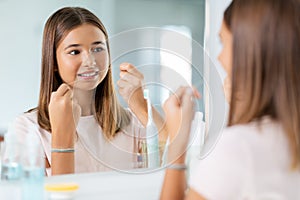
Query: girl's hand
[64, 114]
[131, 89]
[179, 111]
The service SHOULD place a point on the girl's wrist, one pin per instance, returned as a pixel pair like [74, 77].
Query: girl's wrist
[176, 157]
[62, 143]
[140, 110]
[177, 166]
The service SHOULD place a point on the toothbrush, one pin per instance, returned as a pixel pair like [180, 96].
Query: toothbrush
[152, 136]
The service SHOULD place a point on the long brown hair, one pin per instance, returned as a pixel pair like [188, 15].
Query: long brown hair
[109, 113]
[266, 64]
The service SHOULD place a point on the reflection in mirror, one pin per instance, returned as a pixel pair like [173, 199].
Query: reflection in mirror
[167, 56]
[165, 66]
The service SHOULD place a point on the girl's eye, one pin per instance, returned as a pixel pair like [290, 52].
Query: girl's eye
[98, 49]
[74, 52]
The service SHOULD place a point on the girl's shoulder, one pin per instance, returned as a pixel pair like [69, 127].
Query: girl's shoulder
[27, 123]
[256, 136]
[258, 128]
[29, 117]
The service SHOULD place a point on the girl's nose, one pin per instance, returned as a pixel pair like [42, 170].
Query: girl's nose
[88, 60]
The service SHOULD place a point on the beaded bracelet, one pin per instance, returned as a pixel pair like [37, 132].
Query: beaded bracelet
[177, 166]
[68, 150]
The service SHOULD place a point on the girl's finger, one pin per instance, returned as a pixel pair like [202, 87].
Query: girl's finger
[62, 89]
[127, 67]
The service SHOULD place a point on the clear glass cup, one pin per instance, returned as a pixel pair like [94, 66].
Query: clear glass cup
[33, 168]
[11, 169]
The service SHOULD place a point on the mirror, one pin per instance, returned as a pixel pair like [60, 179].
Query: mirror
[145, 33]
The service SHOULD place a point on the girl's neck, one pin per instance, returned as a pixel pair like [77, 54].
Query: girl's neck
[85, 99]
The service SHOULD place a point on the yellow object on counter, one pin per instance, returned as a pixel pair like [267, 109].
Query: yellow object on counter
[62, 187]
[61, 191]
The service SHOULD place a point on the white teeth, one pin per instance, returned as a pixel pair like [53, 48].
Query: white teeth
[88, 74]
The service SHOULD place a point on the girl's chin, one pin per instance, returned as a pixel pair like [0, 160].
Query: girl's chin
[86, 85]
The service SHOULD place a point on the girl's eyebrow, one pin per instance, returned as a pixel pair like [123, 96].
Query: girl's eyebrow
[72, 45]
[98, 42]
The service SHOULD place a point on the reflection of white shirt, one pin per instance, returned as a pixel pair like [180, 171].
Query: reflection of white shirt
[249, 162]
[93, 152]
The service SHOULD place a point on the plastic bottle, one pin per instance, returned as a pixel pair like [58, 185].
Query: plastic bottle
[152, 136]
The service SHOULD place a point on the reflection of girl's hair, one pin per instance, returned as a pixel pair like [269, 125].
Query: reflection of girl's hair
[109, 113]
[266, 64]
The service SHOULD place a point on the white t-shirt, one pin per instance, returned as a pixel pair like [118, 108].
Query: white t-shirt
[248, 162]
[93, 153]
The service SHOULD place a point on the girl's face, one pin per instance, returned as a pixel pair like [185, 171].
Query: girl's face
[82, 57]
[225, 57]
